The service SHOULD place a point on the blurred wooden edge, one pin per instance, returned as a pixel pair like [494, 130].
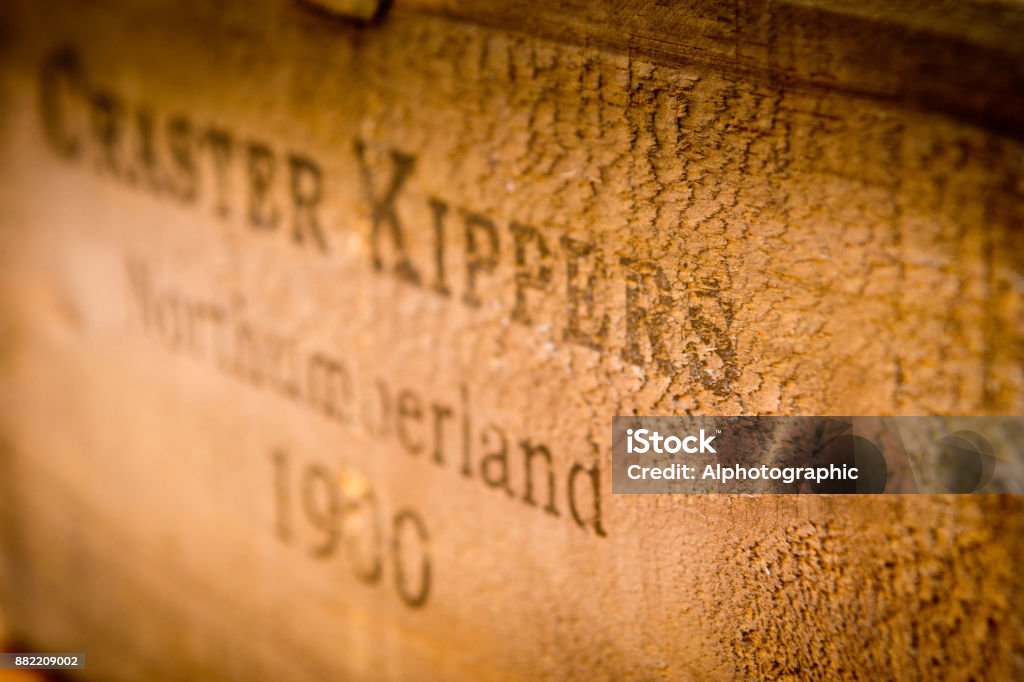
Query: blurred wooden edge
[961, 57]
[358, 10]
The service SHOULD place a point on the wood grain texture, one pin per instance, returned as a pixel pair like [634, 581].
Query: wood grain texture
[962, 58]
[727, 226]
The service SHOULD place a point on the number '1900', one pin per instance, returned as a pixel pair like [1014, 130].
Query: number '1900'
[330, 511]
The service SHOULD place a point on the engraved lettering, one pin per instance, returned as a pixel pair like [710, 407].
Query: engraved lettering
[663, 327]
[438, 209]
[494, 466]
[146, 169]
[262, 212]
[329, 386]
[479, 259]
[226, 338]
[61, 83]
[593, 477]
[106, 113]
[342, 512]
[527, 278]
[583, 296]
[409, 410]
[530, 453]
[656, 319]
[441, 413]
[307, 192]
[384, 211]
[220, 144]
[400, 548]
[180, 143]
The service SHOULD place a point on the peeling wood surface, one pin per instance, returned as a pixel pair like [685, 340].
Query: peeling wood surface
[290, 306]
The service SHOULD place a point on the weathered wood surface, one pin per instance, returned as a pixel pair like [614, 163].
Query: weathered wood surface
[289, 305]
[965, 59]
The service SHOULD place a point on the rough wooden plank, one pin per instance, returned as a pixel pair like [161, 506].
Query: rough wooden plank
[191, 340]
[961, 58]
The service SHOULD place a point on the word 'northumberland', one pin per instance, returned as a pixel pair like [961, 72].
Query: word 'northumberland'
[570, 287]
[439, 432]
